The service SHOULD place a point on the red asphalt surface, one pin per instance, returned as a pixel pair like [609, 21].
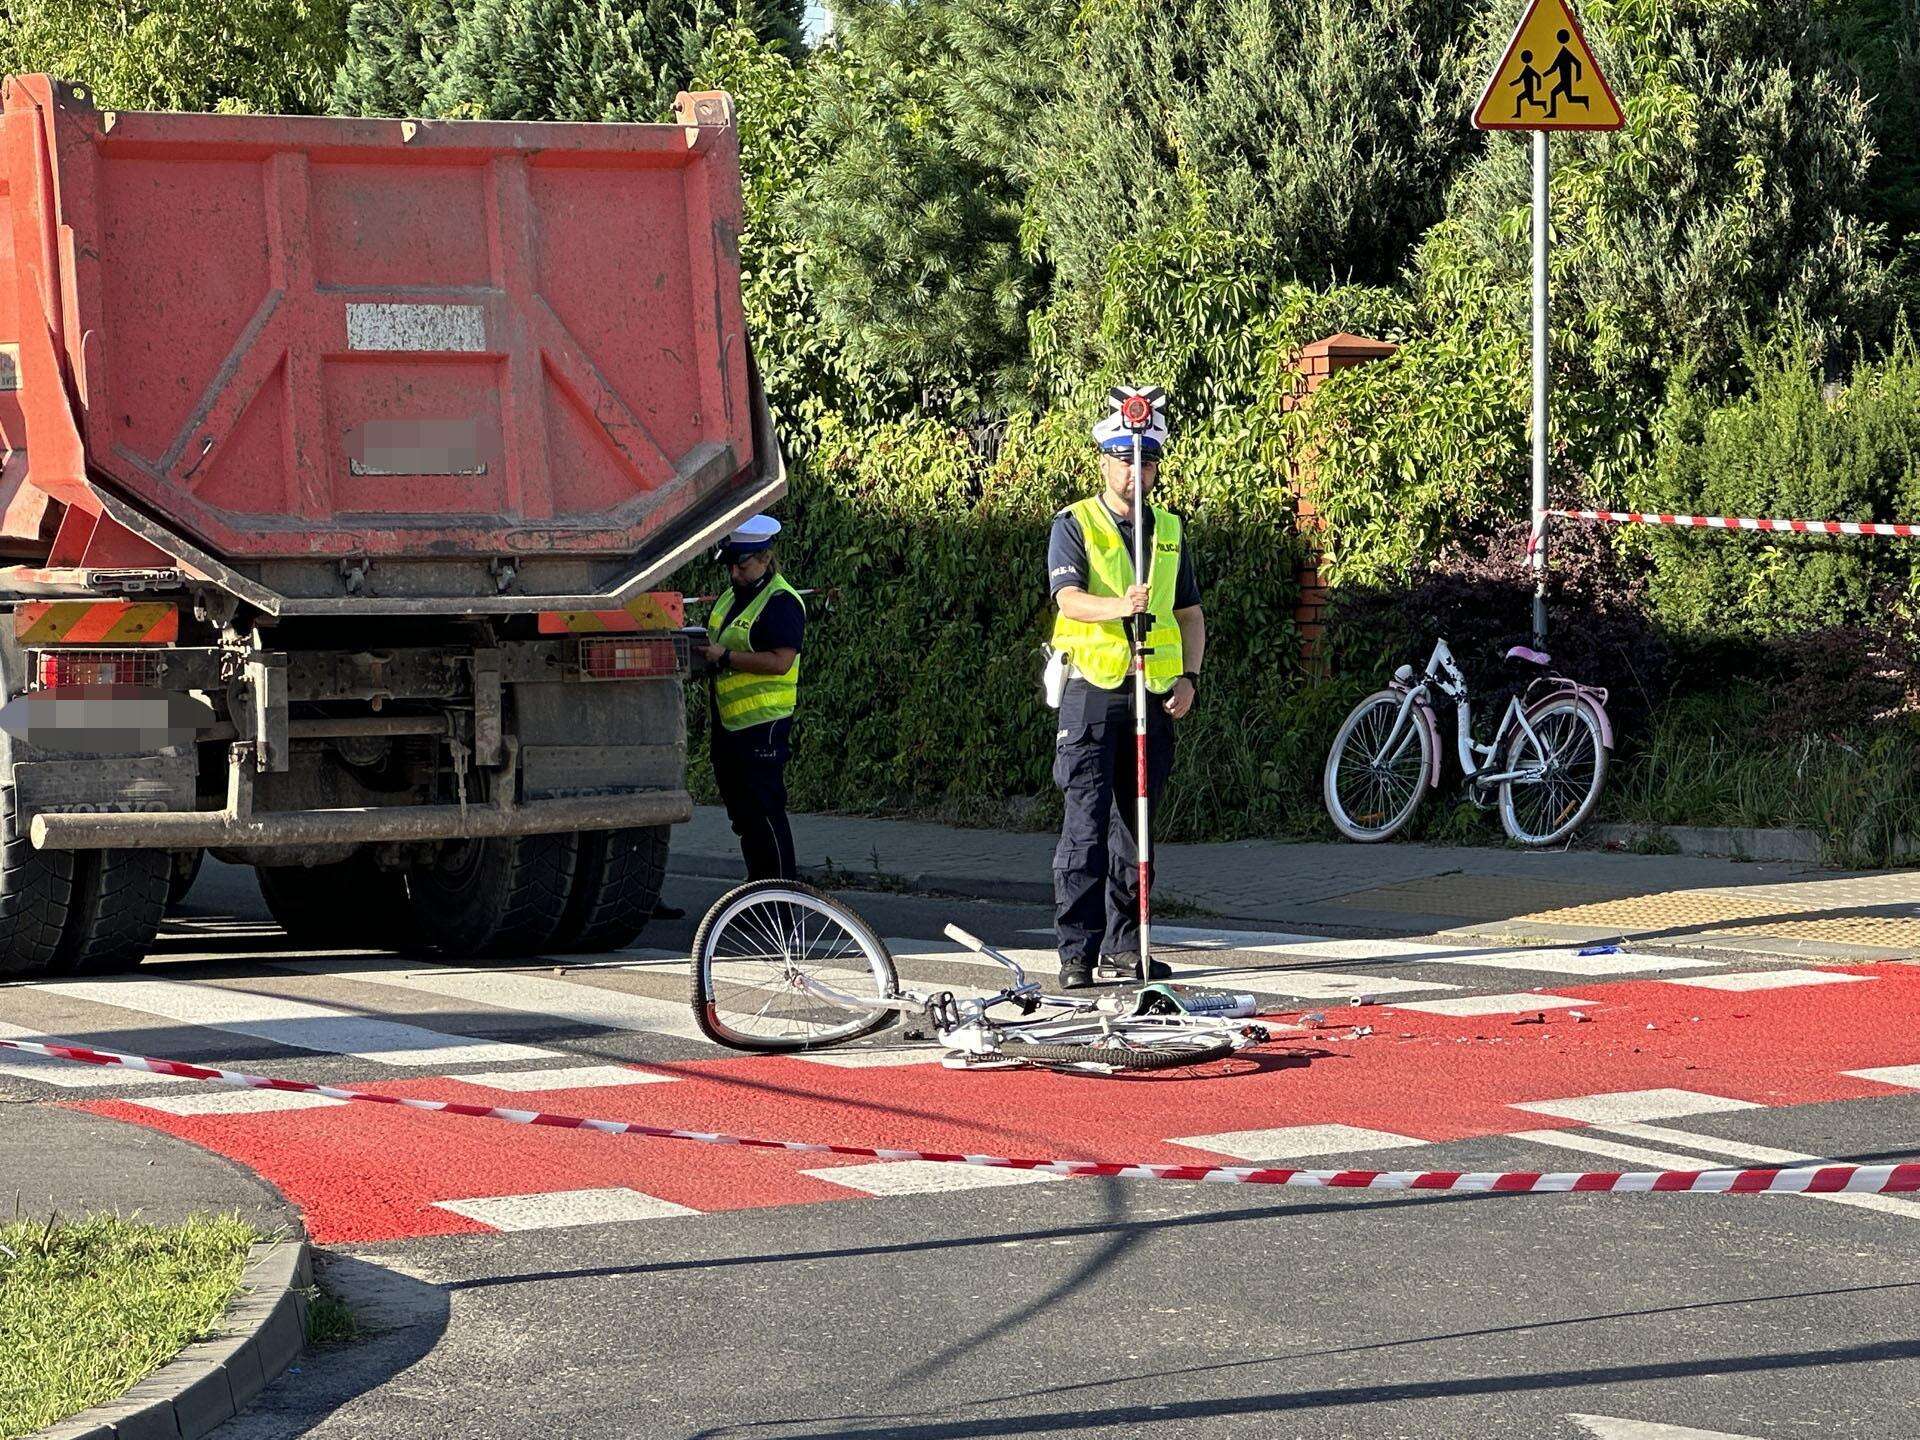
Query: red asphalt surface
[370, 1173]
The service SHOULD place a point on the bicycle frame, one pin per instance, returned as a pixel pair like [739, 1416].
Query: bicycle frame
[962, 1025]
[1444, 674]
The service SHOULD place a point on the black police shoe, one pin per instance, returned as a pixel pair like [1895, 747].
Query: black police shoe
[1123, 968]
[1076, 976]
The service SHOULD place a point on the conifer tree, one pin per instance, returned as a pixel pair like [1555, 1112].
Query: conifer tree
[914, 219]
[393, 55]
[620, 60]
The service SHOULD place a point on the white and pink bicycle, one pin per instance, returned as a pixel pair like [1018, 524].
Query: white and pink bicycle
[1542, 769]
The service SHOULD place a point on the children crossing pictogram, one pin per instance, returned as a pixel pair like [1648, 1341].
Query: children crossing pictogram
[1548, 79]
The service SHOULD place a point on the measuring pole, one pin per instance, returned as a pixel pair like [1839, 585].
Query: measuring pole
[1140, 623]
[1542, 389]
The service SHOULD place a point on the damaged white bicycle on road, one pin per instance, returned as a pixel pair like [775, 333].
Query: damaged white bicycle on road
[779, 968]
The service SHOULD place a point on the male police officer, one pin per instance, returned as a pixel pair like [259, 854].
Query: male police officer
[1090, 572]
[757, 628]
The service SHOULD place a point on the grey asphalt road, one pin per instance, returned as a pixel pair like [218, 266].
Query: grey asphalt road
[1097, 1308]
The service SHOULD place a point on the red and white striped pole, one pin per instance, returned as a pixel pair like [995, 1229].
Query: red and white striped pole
[1141, 622]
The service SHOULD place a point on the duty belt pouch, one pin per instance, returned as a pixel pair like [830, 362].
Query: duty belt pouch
[1053, 677]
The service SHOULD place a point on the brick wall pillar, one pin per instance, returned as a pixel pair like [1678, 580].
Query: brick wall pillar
[1312, 366]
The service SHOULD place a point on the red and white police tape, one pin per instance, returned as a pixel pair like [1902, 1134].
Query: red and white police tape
[1740, 522]
[1808, 1180]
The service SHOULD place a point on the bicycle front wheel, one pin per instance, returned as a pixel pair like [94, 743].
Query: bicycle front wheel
[755, 944]
[1135, 1043]
[1375, 779]
[1572, 760]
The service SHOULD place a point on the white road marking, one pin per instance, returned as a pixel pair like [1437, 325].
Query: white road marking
[1763, 1155]
[236, 1102]
[1768, 979]
[1470, 1005]
[553, 998]
[1632, 1105]
[1036, 962]
[1725, 1149]
[1907, 1077]
[1281, 942]
[922, 1177]
[581, 1077]
[563, 1208]
[1572, 962]
[1312, 984]
[68, 1074]
[1608, 1427]
[1294, 1142]
[293, 1023]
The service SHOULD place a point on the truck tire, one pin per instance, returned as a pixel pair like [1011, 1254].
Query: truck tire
[119, 899]
[351, 904]
[615, 887]
[36, 894]
[494, 899]
[185, 870]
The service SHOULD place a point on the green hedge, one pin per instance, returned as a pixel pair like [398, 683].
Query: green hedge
[920, 683]
[1791, 447]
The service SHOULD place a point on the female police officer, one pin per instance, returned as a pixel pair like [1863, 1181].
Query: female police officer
[757, 628]
[1090, 572]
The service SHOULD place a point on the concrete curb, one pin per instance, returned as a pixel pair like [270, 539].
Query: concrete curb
[1731, 841]
[262, 1332]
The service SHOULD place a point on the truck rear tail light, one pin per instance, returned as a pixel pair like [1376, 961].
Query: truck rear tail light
[633, 657]
[98, 667]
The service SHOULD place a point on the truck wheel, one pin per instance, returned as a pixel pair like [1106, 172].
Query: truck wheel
[119, 899]
[495, 898]
[615, 887]
[36, 894]
[186, 869]
[350, 904]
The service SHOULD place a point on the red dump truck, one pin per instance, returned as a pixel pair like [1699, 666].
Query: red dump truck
[342, 462]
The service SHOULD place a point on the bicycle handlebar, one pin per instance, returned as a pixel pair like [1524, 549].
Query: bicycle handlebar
[980, 947]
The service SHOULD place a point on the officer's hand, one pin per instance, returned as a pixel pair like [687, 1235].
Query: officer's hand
[1180, 701]
[712, 653]
[1136, 600]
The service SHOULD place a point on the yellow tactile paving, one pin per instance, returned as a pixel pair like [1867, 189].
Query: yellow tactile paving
[1876, 910]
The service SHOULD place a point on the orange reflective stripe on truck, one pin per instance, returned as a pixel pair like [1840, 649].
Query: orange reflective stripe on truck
[96, 622]
[657, 610]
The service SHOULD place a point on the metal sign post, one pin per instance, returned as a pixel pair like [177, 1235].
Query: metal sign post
[1548, 80]
[1542, 390]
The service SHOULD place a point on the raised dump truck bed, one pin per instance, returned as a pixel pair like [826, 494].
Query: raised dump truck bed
[359, 360]
[340, 461]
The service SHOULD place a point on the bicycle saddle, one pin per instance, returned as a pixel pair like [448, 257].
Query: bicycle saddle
[1532, 657]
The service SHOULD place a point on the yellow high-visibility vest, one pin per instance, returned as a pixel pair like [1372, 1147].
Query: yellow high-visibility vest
[1100, 649]
[744, 699]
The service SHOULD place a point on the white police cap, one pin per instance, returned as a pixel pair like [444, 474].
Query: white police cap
[755, 533]
[1137, 410]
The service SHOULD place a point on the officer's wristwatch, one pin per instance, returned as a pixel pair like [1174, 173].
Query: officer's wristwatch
[1192, 677]
[726, 659]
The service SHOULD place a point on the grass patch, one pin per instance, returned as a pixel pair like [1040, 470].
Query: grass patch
[329, 1321]
[88, 1307]
[1732, 758]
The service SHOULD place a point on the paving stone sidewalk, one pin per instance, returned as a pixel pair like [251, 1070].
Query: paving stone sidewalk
[1778, 908]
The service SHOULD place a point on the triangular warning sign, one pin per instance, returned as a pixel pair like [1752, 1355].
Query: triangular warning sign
[1548, 80]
